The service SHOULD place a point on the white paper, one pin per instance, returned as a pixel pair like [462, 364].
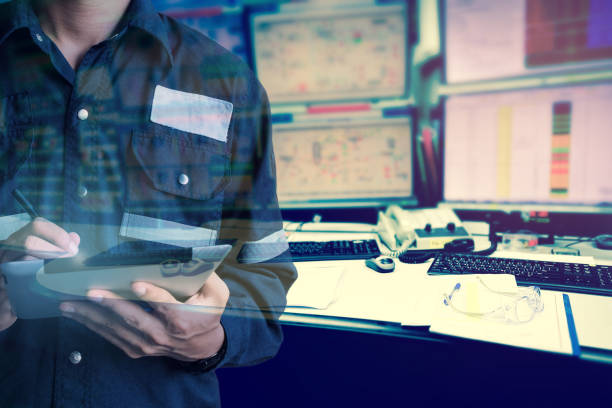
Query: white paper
[547, 330]
[316, 286]
[365, 294]
[165, 231]
[593, 319]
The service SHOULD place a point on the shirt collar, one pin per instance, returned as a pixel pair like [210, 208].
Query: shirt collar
[140, 14]
[20, 15]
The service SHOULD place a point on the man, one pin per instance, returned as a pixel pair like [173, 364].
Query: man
[121, 124]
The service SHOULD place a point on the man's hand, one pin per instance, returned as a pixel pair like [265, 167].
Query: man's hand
[187, 331]
[7, 317]
[39, 239]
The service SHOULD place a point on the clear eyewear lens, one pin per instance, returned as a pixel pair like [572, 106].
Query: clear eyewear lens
[521, 307]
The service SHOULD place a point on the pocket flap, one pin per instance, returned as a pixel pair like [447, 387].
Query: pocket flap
[15, 110]
[183, 164]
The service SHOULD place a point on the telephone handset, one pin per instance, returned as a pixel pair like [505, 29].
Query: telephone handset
[395, 229]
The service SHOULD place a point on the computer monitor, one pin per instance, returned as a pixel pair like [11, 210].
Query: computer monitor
[363, 163]
[324, 54]
[219, 20]
[487, 40]
[535, 150]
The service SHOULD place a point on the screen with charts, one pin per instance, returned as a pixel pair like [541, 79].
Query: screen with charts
[339, 54]
[530, 146]
[351, 162]
[487, 39]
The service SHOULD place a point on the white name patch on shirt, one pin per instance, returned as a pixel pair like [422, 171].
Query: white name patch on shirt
[192, 113]
[165, 231]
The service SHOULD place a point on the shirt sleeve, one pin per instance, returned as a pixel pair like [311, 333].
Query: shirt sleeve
[258, 279]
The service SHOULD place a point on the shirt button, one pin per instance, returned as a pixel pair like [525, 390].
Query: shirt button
[82, 191]
[82, 114]
[183, 179]
[75, 357]
[39, 37]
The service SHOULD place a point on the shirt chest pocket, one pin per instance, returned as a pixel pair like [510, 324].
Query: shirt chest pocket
[175, 180]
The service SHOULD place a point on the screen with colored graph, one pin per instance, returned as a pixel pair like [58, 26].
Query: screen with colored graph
[530, 146]
[487, 39]
[327, 163]
[325, 54]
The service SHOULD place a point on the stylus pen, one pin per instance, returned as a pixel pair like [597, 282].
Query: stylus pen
[27, 205]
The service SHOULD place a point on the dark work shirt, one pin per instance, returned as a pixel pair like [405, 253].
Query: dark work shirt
[159, 135]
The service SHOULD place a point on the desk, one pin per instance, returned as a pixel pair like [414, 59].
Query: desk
[366, 358]
[379, 302]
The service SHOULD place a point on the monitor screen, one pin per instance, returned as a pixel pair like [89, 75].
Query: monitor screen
[487, 39]
[364, 163]
[222, 24]
[332, 54]
[542, 146]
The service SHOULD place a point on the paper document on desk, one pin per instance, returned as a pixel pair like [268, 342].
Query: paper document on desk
[547, 330]
[593, 317]
[316, 286]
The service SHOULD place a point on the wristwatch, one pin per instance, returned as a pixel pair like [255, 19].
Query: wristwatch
[206, 364]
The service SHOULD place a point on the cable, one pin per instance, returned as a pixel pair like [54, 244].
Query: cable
[578, 242]
[390, 252]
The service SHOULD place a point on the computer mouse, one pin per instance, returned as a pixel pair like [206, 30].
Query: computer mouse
[604, 241]
[382, 264]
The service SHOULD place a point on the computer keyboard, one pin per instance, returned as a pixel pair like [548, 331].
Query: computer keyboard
[569, 277]
[333, 250]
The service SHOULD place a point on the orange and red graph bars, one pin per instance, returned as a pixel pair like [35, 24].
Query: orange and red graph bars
[559, 165]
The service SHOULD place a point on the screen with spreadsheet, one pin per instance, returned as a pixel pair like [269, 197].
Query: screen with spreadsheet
[339, 54]
[487, 39]
[548, 145]
[330, 163]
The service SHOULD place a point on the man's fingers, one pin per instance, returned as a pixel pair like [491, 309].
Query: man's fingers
[75, 238]
[41, 239]
[40, 248]
[214, 293]
[132, 315]
[54, 234]
[157, 297]
[103, 332]
[180, 322]
[103, 321]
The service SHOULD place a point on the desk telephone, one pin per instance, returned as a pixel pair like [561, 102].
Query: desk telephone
[428, 228]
